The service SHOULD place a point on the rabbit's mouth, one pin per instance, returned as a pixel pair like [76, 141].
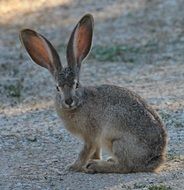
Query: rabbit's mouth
[69, 107]
[70, 104]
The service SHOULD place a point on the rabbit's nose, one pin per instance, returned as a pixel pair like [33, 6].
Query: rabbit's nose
[69, 101]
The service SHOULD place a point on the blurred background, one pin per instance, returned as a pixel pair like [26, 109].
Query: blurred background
[138, 44]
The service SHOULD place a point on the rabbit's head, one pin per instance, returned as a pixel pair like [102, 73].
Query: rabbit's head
[44, 54]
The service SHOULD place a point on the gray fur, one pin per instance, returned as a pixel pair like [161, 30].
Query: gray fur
[108, 117]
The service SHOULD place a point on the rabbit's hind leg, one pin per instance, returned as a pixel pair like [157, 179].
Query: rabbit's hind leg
[127, 153]
[134, 156]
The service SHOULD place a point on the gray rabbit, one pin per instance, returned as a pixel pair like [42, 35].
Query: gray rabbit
[105, 116]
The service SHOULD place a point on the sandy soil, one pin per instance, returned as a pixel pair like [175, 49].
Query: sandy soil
[34, 146]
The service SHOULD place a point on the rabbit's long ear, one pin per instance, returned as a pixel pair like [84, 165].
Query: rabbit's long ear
[80, 41]
[40, 50]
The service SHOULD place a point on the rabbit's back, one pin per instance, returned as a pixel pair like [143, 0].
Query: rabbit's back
[122, 114]
[125, 110]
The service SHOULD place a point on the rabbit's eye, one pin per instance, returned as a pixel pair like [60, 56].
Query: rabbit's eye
[57, 88]
[77, 85]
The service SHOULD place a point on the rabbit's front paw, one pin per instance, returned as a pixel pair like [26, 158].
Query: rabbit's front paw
[91, 167]
[75, 167]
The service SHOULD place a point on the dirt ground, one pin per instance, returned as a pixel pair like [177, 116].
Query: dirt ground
[137, 44]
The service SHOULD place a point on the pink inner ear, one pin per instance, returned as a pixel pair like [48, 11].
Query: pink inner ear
[38, 50]
[83, 42]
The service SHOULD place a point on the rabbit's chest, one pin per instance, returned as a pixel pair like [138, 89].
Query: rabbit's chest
[74, 123]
